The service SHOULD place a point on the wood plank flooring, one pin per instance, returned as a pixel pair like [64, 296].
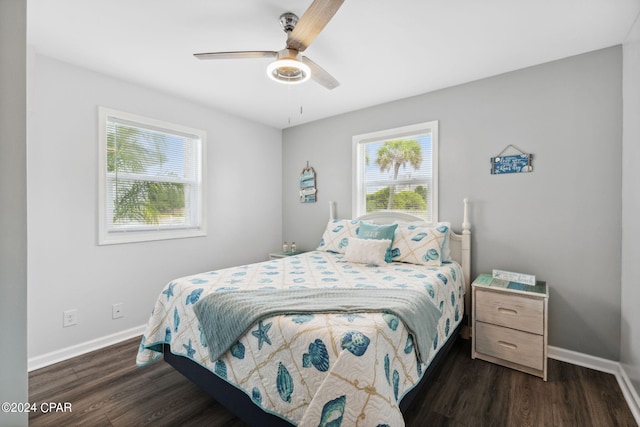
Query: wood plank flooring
[105, 388]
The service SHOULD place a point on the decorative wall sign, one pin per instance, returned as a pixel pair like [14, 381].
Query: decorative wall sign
[308, 185]
[511, 164]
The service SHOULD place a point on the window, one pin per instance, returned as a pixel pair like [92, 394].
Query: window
[151, 179]
[396, 170]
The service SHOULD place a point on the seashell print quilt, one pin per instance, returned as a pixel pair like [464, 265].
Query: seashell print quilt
[313, 369]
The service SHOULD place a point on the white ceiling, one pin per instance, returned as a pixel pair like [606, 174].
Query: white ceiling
[379, 50]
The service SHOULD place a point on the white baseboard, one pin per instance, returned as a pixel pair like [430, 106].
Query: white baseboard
[630, 394]
[47, 359]
[604, 365]
[581, 359]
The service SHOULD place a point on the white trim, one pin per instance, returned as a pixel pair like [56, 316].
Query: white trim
[630, 394]
[47, 359]
[585, 360]
[603, 365]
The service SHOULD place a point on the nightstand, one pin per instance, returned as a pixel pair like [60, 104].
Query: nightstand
[510, 324]
[280, 254]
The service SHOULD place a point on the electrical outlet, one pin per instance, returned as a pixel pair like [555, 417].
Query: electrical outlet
[117, 310]
[69, 318]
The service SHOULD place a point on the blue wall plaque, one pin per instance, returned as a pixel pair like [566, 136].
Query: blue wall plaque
[511, 164]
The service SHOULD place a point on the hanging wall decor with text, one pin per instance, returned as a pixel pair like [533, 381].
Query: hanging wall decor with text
[308, 189]
[517, 163]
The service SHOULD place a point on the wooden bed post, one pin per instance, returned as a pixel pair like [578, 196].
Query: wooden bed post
[466, 226]
[466, 266]
[466, 243]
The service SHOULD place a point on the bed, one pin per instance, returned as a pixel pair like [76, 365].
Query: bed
[344, 337]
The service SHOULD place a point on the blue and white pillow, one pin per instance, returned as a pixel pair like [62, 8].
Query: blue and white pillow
[336, 236]
[421, 245]
[378, 232]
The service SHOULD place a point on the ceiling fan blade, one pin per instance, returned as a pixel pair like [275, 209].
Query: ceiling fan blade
[248, 54]
[319, 75]
[316, 17]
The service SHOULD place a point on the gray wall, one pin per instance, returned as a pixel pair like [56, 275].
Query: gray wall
[67, 269]
[13, 208]
[630, 328]
[562, 222]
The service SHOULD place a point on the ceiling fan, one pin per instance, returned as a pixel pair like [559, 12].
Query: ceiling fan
[290, 66]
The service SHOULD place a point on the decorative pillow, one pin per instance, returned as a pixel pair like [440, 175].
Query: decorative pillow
[422, 245]
[336, 235]
[367, 251]
[378, 232]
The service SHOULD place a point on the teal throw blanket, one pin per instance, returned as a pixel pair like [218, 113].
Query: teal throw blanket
[226, 316]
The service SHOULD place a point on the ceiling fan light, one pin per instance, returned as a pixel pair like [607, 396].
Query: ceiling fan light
[288, 71]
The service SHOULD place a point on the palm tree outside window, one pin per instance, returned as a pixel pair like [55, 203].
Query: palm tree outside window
[396, 170]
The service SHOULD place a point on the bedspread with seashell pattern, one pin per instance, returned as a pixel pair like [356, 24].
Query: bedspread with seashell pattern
[312, 369]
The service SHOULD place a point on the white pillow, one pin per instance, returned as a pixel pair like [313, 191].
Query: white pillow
[367, 251]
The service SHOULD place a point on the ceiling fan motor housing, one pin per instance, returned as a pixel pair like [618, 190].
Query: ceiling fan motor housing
[288, 21]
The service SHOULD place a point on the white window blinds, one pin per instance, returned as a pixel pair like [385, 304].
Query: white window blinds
[396, 170]
[152, 181]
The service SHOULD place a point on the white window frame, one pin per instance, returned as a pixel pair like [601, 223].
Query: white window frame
[359, 204]
[107, 235]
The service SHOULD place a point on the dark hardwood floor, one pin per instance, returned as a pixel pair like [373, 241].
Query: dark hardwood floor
[105, 388]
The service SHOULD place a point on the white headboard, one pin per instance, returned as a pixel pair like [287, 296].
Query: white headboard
[460, 243]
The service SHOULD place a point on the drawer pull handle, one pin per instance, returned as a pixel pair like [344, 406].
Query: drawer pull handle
[507, 311]
[508, 345]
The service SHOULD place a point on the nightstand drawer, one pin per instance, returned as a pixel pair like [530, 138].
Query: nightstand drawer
[513, 311]
[508, 344]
